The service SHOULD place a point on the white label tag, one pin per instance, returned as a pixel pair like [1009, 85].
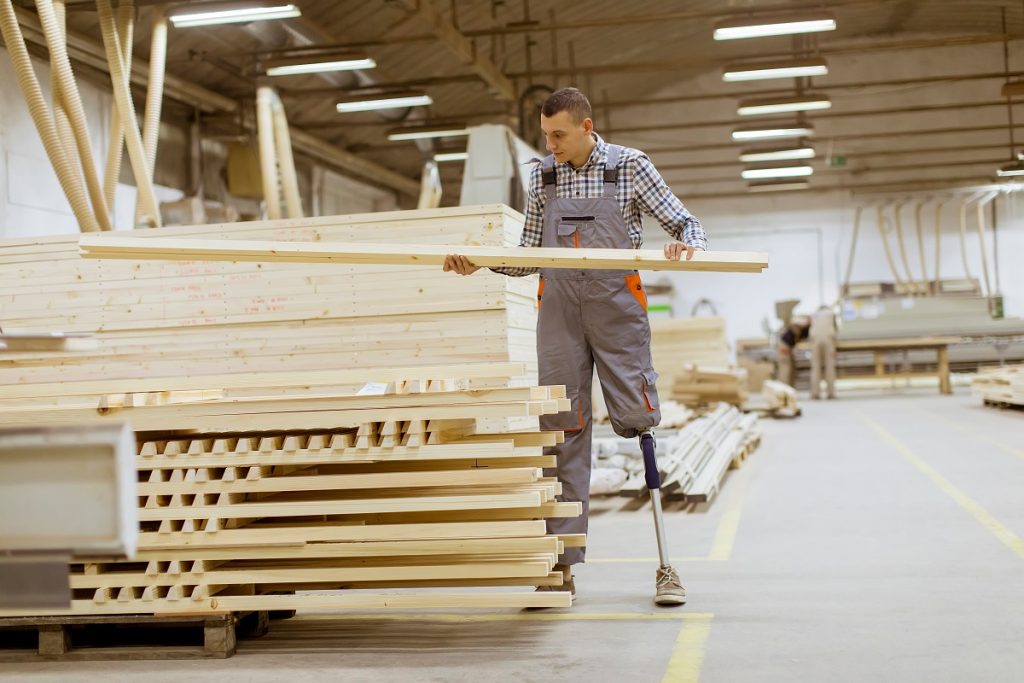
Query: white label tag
[373, 389]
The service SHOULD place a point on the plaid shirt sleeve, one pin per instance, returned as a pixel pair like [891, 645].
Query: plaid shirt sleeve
[657, 200]
[533, 227]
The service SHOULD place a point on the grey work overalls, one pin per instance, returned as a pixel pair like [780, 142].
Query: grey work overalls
[588, 317]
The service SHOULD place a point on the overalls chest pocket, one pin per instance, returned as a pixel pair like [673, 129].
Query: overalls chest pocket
[574, 230]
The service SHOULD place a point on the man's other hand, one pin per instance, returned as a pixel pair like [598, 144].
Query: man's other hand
[674, 251]
[459, 264]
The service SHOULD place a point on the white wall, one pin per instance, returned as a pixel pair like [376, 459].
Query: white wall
[808, 248]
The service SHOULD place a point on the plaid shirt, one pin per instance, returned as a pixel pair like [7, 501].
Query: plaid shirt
[639, 188]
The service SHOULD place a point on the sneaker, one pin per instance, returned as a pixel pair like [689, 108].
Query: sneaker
[669, 589]
[568, 583]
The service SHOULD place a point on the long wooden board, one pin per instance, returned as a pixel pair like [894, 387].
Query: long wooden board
[133, 248]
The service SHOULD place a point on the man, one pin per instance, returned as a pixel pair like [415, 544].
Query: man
[589, 194]
[823, 352]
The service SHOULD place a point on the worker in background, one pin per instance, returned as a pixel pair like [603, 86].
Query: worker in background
[823, 351]
[795, 331]
[590, 194]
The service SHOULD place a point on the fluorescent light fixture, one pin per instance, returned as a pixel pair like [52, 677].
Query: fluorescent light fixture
[783, 106]
[399, 134]
[233, 14]
[778, 172]
[394, 102]
[1014, 169]
[451, 156]
[778, 186]
[801, 68]
[321, 67]
[759, 27]
[767, 133]
[753, 156]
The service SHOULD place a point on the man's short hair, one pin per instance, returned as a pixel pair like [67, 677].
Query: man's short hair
[570, 100]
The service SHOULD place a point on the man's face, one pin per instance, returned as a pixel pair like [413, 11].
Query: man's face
[564, 137]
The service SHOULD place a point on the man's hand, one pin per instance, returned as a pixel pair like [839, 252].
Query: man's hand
[459, 264]
[674, 251]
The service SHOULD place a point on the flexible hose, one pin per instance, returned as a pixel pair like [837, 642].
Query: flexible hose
[122, 96]
[268, 155]
[898, 223]
[60, 114]
[60, 63]
[853, 246]
[963, 236]
[33, 94]
[919, 229]
[285, 159]
[981, 240]
[115, 144]
[154, 95]
[937, 285]
[430, 187]
[880, 217]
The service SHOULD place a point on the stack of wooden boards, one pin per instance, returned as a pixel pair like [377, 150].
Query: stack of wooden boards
[692, 460]
[691, 356]
[1002, 386]
[394, 492]
[187, 319]
[780, 399]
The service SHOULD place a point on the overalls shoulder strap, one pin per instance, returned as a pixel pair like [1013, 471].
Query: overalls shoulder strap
[611, 171]
[549, 176]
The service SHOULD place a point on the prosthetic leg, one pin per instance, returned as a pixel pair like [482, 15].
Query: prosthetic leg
[669, 589]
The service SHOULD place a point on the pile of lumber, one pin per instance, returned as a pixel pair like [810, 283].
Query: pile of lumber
[191, 319]
[691, 356]
[701, 385]
[395, 491]
[780, 399]
[1000, 386]
[692, 460]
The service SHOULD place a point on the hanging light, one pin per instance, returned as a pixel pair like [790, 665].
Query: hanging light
[776, 172]
[778, 186]
[236, 13]
[782, 154]
[782, 25]
[784, 105]
[427, 132]
[759, 71]
[451, 156]
[769, 132]
[290, 66]
[385, 102]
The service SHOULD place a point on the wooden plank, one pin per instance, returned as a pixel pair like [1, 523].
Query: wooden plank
[414, 254]
[895, 344]
[342, 601]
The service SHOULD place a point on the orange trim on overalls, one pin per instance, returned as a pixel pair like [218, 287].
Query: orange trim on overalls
[636, 288]
[540, 292]
[579, 411]
[643, 390]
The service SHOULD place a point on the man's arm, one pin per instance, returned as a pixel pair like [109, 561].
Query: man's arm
[533, 230]
[657, 200]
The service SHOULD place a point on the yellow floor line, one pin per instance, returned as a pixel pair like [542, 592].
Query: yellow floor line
[980, 514]
[973, 433]
[729, 524]
[517, 616]
[721, 545]
[688, 653]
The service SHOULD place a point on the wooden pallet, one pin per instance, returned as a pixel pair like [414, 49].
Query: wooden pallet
[121, 637]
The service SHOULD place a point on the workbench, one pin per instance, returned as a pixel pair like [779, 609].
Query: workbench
[905, 345]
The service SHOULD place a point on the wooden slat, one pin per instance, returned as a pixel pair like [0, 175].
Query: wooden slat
[414, 254]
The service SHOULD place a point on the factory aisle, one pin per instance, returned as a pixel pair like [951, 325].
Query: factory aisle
[879, 537]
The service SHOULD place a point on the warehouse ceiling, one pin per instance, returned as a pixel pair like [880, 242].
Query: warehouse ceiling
[651, 69]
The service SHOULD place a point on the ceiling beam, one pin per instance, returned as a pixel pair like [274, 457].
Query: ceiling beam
[463, 48]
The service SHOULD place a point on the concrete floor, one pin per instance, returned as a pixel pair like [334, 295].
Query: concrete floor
[877, 538]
